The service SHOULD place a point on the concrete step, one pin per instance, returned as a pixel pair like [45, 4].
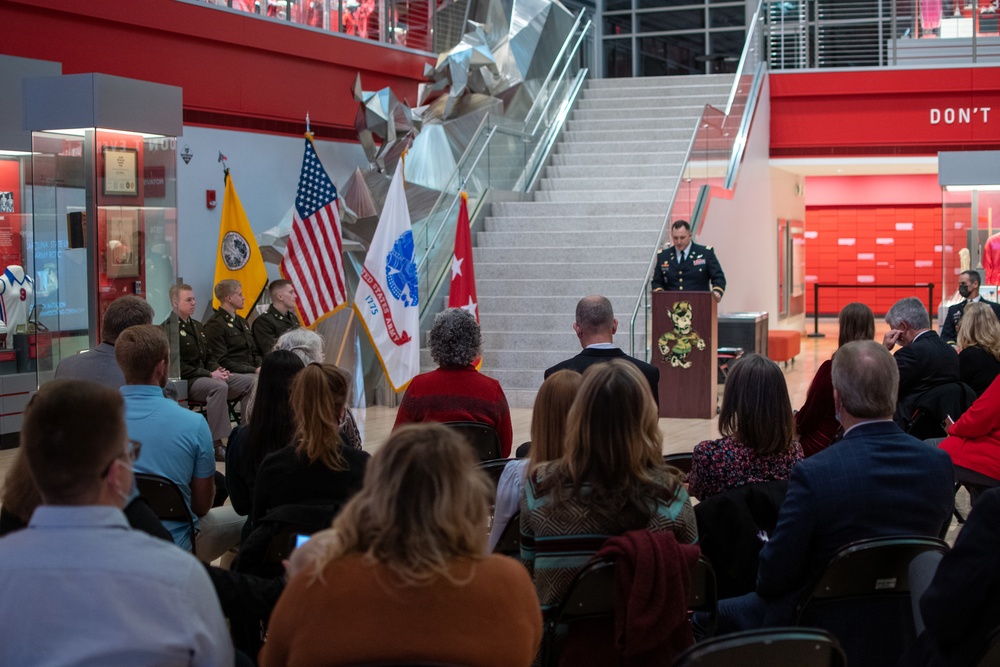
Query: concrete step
[650, 125]
[567, 270]
[567, 253]
[563, 342]
[650, 102]
[576, 224]
[665, 158]
[549, 240]
[626, 116]
[579, 196]
[545, 209]
[575, 289]
[637, 172]
[612, 181]
[521, 398]
[623, 147]
[711, 90]
[667, 132]
[517, 322]
[659, 81]
[533, 304]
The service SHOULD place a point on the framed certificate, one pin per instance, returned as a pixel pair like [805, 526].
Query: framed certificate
[121, 171]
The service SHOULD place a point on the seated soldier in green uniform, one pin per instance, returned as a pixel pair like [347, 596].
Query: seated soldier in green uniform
[279, 318]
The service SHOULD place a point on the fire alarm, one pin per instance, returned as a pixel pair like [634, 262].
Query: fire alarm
[210, 198]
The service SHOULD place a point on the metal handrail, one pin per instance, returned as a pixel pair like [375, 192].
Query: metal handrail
[566, 63]
[548, 77]
[748, 48]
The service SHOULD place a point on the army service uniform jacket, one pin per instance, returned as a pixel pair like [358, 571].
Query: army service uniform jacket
[267, 328]
[231, 343]
[699, 272]
[196, 359]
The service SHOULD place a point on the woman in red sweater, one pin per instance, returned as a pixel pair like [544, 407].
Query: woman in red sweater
[974, 440]
[456, 391]
[403, 575]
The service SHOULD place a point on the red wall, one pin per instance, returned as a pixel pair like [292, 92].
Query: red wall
[885, 111]
[237, 71]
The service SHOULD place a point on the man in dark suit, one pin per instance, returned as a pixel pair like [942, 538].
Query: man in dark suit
[968, 288]
[595, 326]
[924, 360]
[876, 482]
[687, 266]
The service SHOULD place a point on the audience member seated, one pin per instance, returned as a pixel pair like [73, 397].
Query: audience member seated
[979, 342]
[961, 608]
[21, 497]
[176, 442]
[611, 479]
[968, 288]
[268, 431]
[548, 431]
[924, 360]
[320, 469]
[207, 381]
[402, 576]
[876, 482]
[456, 391]
[80, 587]
[757, 428]
[816, 423]
[279, 318]
[596, 326]
[99, 365]
[973, 441]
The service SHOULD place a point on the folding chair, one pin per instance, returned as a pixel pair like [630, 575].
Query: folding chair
[494, 469]
[681, 461]
[776, 647]
[509, 543]
[166, 500]
[482, 437]
[863, 598]
[589, 598]
[951, 399]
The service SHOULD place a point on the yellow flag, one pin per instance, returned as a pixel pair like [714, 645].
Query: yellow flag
[238, 256]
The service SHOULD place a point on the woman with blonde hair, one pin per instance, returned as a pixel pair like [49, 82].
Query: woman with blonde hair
[757, 428]
[979, 342]
[319, 468]
[610, 480]
[402, 575]
[548, 432]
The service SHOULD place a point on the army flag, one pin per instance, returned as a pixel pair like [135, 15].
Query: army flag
[238, 256]
[462, 292]
[388, 296]
[314, 256]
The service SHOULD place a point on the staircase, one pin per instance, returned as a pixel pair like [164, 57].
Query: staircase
[592, 226]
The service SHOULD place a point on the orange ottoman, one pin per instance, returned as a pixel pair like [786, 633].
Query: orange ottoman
[783, 345]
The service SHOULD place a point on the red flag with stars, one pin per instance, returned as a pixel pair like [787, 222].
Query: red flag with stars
[462, 293]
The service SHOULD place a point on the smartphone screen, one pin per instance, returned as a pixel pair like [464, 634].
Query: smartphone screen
[301, 539]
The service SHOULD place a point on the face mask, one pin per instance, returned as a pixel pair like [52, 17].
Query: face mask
[963, 290]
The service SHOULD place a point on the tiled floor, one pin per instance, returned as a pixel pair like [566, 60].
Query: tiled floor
[679, 435]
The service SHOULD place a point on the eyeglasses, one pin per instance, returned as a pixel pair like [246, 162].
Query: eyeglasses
[134, 449]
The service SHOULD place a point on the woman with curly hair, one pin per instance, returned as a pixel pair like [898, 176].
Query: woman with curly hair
[403, 575]
[456, 391]
[757, 428]
[610, 480]
[979, 342]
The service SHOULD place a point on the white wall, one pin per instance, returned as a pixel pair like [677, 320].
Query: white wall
[744, 230]
[265, 172]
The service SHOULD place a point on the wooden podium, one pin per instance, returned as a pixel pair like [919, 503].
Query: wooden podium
[685, 329]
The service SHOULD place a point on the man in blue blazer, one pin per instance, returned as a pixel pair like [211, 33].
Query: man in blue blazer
[924, 361]
[876, 482]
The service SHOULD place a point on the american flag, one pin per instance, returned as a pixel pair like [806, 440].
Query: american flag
[314, 255]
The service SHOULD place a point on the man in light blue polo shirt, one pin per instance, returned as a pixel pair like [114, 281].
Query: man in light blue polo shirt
[79, 586]
[177, 443]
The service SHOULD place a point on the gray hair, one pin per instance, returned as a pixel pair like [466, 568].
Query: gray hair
[305, 344]
[866, 379]
[455, 339]
[594, 315]
[911, 311]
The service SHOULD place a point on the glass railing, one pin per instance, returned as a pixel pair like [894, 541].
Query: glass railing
[406, 23]
[503, 155]
[710, 166]
[880, 33]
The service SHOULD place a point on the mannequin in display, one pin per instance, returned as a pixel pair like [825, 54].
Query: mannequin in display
[16, 296]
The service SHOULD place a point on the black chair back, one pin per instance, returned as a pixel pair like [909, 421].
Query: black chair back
[165, 499]
[703, 595]
[776, 647]
[509, 543]
[863, 598]
[483, 438]
[681, 461]
[494, 469]
[951, 400]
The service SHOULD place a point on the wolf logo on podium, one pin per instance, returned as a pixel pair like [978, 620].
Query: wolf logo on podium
[676, 345]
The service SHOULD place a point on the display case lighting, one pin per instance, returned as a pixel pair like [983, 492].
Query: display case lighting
[6, 153]
[970, 188]
[82, 131]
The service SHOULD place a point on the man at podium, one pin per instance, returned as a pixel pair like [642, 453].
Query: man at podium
[687, 266]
